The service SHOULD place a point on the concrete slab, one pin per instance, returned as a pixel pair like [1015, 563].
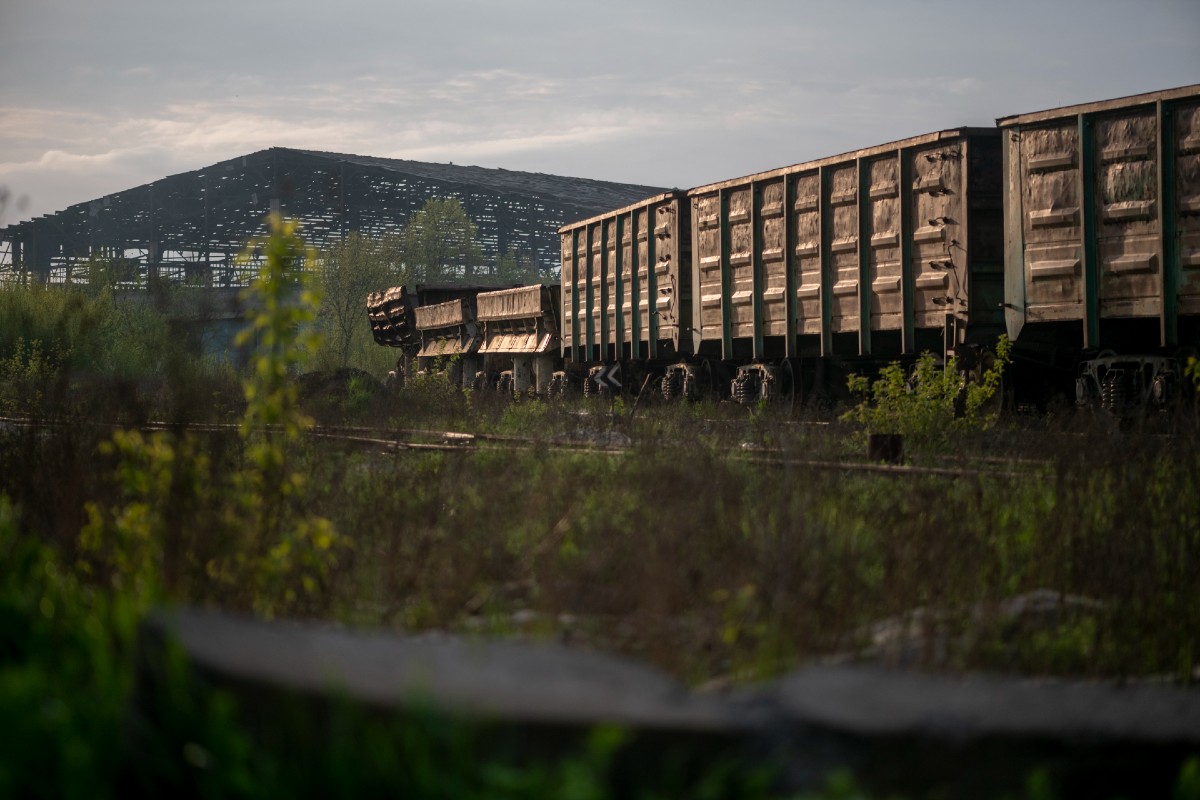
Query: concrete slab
[898, 731]
[519, 683]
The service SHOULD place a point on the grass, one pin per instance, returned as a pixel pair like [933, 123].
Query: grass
[710, 546]
[680, 550]
[711, 566]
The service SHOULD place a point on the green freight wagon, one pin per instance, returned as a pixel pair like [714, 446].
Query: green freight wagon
[1102, 242]
[626, 289]
[872, 255]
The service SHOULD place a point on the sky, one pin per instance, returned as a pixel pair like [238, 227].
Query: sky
[98, 96]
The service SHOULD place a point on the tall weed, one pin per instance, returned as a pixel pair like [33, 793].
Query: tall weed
[933, 403]
[237, 529]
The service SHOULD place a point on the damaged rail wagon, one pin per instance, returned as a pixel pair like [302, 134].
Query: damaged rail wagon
[1074, 231]
[483, 339]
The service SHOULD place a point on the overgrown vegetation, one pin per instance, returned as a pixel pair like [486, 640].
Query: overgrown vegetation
[345, 276]
[65, 685]
[933, 403]
[92, 349]
[720, 567]
[238, 530]
[718, 545]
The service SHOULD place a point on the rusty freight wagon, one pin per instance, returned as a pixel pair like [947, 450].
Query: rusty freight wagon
[450, 337]
[393, 314]
[505, 339]
[625, 288]
[1102, 242]
[871, 255]
[520, 342]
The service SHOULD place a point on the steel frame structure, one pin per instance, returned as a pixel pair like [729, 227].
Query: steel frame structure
[192, 227]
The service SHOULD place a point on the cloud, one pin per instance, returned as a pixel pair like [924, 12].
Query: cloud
[641, 93]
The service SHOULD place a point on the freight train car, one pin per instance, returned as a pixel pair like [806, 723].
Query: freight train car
[393, 314]
[880, 253]
[1074, 230]
[505, 339]
[1102, 244]
[626, 289]
[520, 343]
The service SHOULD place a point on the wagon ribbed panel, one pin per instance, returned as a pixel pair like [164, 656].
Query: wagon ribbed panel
[741, 263]
[706, 219]
[596, 276]
[442, 315]
[771, 220]
[515, 343]
[569, 286]
[1051, 224]
[446, 346]
[883, 247]
[641, 243]
[626, 246]
[631, 273]
[843, 232]
[940, 266]
[611, 298]
[807, 251]
[1126, 215]
[519, 303]
[1187, 205]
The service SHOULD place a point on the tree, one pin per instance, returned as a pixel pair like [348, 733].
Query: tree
[440, 244]
[517, 267]
[347, 273]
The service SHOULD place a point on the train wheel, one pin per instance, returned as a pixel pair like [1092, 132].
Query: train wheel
[672, 385]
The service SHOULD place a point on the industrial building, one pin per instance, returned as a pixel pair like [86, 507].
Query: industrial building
[192, 226]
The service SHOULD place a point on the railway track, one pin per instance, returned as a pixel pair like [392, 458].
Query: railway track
[450, 441]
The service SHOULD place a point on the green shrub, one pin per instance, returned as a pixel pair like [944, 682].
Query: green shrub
[65, 673]
[85, 350]
[933, 402]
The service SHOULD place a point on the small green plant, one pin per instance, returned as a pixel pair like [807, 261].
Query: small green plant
[1192, 370]
[286, 542]
[933, 401]
[24, 375]
[127, 543]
